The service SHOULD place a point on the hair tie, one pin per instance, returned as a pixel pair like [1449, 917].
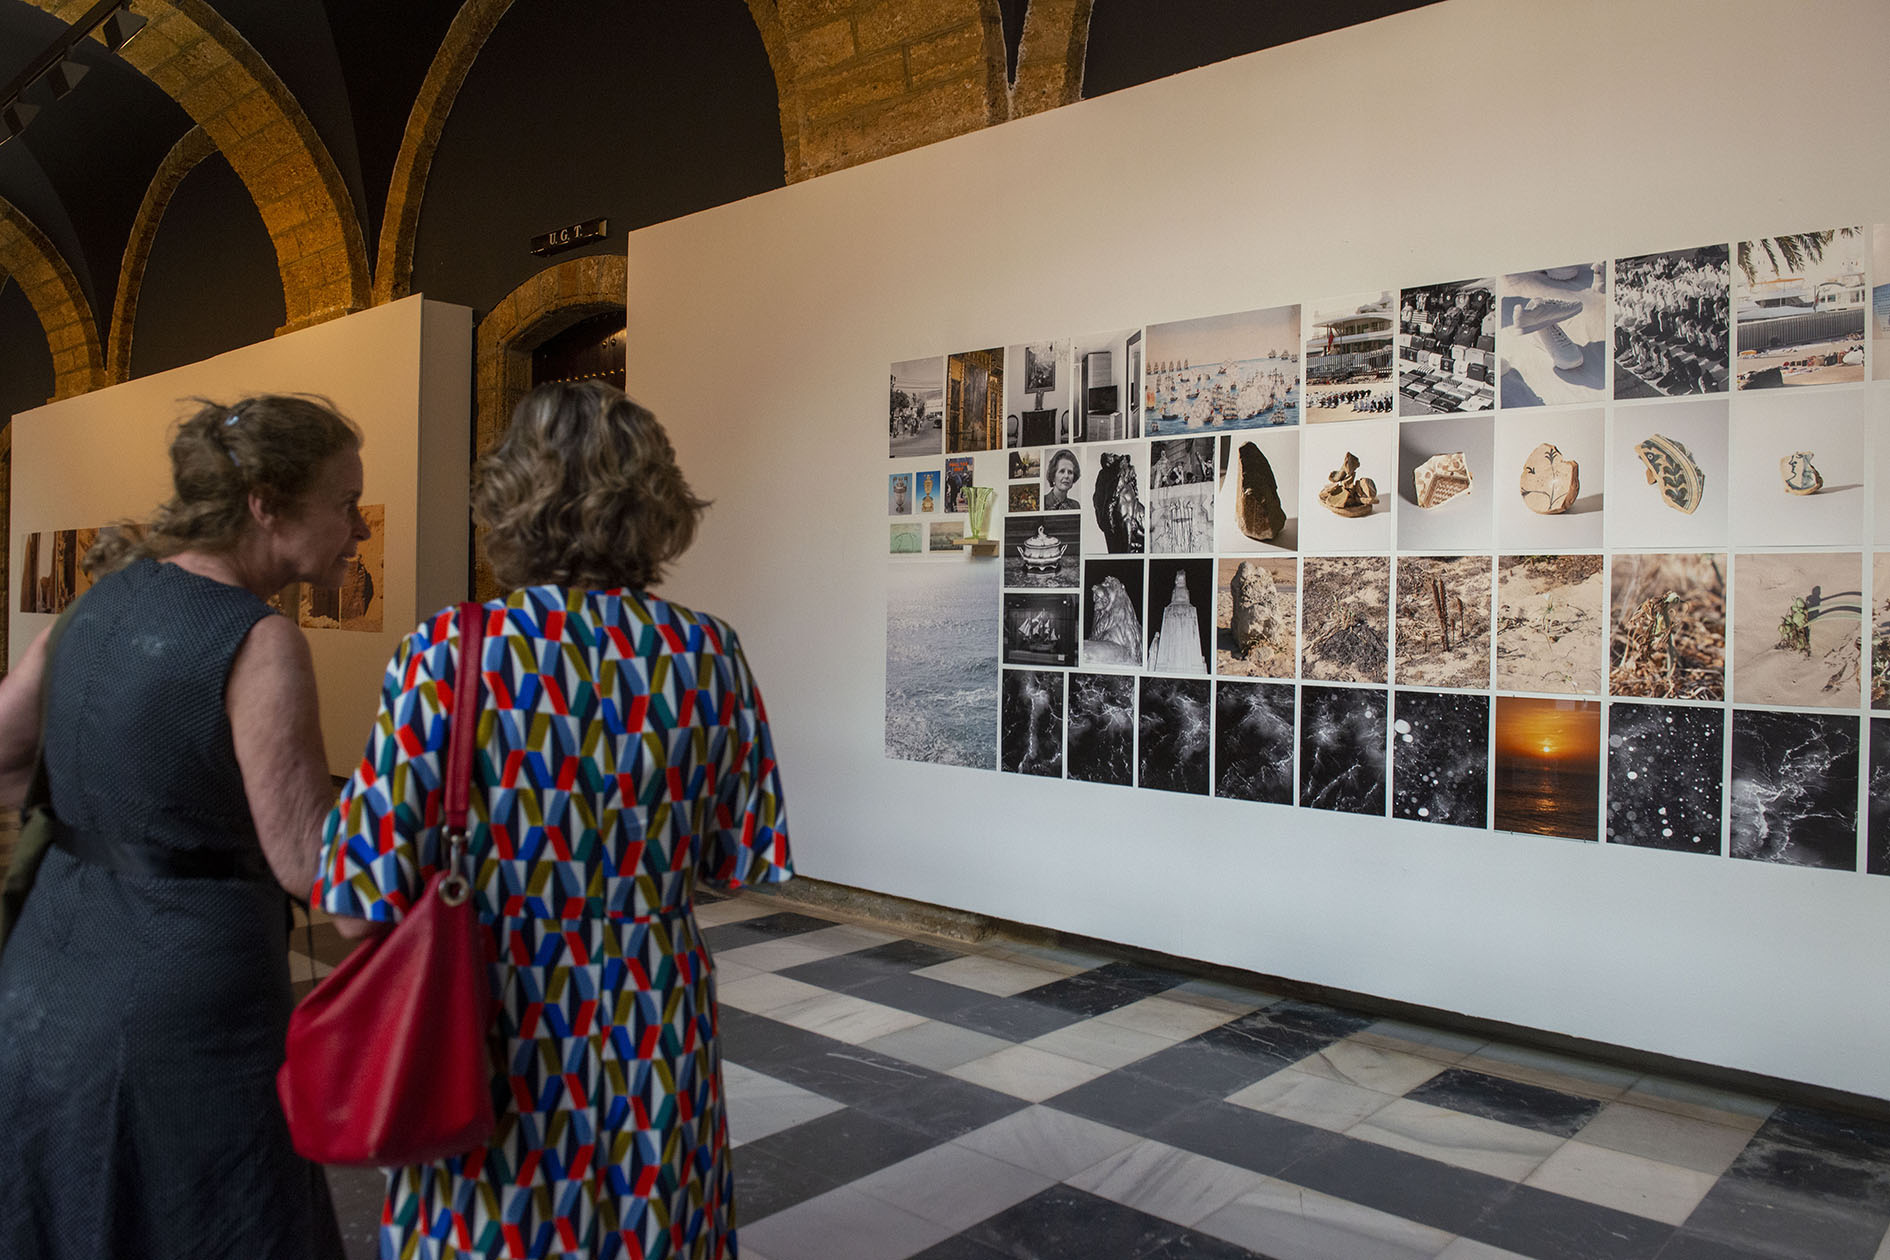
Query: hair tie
[233, 417]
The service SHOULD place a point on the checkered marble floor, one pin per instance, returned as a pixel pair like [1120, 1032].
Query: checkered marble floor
[894, 1096]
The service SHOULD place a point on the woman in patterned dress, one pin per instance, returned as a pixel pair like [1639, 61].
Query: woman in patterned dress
[624, 757]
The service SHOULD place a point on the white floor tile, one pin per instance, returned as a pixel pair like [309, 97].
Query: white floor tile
[1464, 1141]
[845, 1018]
[1288, 1223]
[1066, 959]
[1024, 1072]
[1000, 977]
[788, 951]
[1551, 1071]
[734, 910]
[937, 1045]
[1700, 1102]
[1163, 1017]
[763, 993]
[1671, 1139]
[1429, 1043]
[1231, 997]
[1314, 1100]
[1392, 1072]
[1105, 1045]
[728, 973]
[1629, 1183]
[953, 1185]
[1047, 1141]
[1173, 1184]
[759, 1105]
[1462, 1249]
[843, 1224]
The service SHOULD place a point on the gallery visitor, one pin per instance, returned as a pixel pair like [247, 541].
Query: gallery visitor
[145, 989]
[625, 758]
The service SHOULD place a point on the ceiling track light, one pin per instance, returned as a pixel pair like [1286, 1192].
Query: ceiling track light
[14, 116]
[121, 26]
[65, 76]
[115, 23]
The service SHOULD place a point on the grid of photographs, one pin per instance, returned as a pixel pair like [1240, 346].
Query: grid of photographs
[1597, 551]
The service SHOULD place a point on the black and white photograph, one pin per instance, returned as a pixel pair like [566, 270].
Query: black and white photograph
[1037, 394]
[1552, 342]
[1099, 395]
[916, 416]
[1039, 629]
[1101, 729]
[1115, 515]
[1348, 481]
[1447, 348]
[1349, 358]
[1181, 496]
[1794, 788]
[1257, 508]
[1031, 734]
[1877, 841]
[1799, 309]
[1671, 330]
[1551, 476]
[1666, 768]
[1042, 550]
[1063, 484]
[1238, 371]
[1440, 758]
[974, 401]
[1253, 742]
[1797, 469]
[1667, 476]
[1174, 725]
[941, 664]
[1112, 614]
[1180, 616]
[1446, 484]
[1342, 749]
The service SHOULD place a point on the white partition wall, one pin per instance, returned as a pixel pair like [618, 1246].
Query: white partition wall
[402, 372]
[1466, 139]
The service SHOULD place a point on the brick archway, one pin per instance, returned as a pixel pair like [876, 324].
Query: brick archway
[50, 286]
[183, 158]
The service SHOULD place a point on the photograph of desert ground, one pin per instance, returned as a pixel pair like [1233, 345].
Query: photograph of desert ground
[1667, 630]
[1256, 600]
[1548, 623]
[1346, 624]
[1880, 635]
[1797, 629]
[1444, 621]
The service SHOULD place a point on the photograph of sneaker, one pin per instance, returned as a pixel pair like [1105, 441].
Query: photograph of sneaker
[1565, 354]
[1539, 313]
[1552, 336]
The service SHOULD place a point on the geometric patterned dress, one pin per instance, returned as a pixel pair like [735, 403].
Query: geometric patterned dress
[624, 756]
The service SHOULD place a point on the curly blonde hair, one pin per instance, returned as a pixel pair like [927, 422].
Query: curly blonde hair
[583, 491]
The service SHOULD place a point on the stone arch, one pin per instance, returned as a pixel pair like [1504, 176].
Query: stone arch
[1050, 58]
[179, 162]
[203, 63]
[472, 26]
[524, 319]
[53, 289]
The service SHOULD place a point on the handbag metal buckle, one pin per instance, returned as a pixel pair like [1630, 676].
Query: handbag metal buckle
[455, 888]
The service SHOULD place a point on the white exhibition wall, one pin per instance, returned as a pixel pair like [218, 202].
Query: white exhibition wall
[1468, 138]
[402, 372]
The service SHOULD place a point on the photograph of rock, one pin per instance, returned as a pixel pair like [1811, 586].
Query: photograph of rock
[1039, 629]
[1180, 611]
[942, 664]
[1671, 330]
[1549, 482]
[1346, 486]
[1349, 357]
[1253, 742]
[1174, 728]
[1255, 616]
[1667, 626]
[1042, 550]
[974, 401]
[1342, 749]
[1447, 348]
[907, 538]
[1099, 393]
[1796, 468]
[1552, 341]
[1181, 496]
[1440, 758]
[1443, 621]
[1031, 725]
[1257, 507]
[1238, 371]
[1446, 479]
[1794, 788]
[1112, 614]
[1667, 480]
[1548, 767]
[899, 500]
[1346, 621]
[1115, 515]
[1549, 620]
[1797, 629]
[1037, 394]
[916, 416]
[1877, 838]
[1799, 307]
[1101, 729]
[1880, 632]
[355, 604]
[1666, 770]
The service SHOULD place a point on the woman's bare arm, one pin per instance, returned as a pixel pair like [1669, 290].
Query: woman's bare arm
[19, 721]
[277, 728]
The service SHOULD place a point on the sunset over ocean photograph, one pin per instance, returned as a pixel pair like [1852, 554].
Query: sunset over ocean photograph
[1548, 767]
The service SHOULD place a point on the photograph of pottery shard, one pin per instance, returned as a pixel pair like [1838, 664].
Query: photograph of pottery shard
[1551, 481]
[1346, 493]
[1670, 466]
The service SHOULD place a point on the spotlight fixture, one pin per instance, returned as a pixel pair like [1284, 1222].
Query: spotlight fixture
[13, 118]
[65, 76]
[116, 25]
[121, 26]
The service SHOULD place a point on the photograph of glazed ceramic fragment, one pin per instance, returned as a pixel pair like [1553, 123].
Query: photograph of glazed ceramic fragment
[1223, 372]
[1671, 328]
[1799, 309]
[1550, 471]
[1347, 508]
[356, 603]
[1798, 621]
[1447, 348]
[1253, 741]
[941, 683]
[1797, 463]
[1551, 341]
[1440, 479]
[1255, 616]
[1037, 394]
[915, 417]
[1115, 510]
[1668, 467]
[1551, 481]
[1257, 507]
[1349, 358]
[1445, 470]
[1794, 788]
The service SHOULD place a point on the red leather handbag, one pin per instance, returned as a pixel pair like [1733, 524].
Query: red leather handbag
[387, 1061]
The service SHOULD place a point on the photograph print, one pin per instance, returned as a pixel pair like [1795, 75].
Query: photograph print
[1794, 788]
[1031, 733]
[1342, 749]
[1877, 839]
[974, 402]
[1101, 729]
[1039, 629]
[1797, 629]
[916, 417]
[1115, 518]
[1173, 725]
[1099, 394]
[1551, 472]
[1667, 626]
[1549, 624]
[899, 501]
[946, 535]
[1112, 614]
[958, 475]
[1238, 371]
[1042, 550]
[1880, 632]
[1037, 394]
[1880, 301]
[1445, 477]
[1443, 621]
[1672, 334]
[1666, 767]
[1348, 482]
[1800, 306]
[1181, 496]
[1026, 465]
[1667, 476]
[930, 490]
[1447, 348]
[1256, 616]
[942, 664]
[1345, 624]
[1349, 357]
[1026, 498]
[907, 538]
[1796, 469]
[1063, 485]
[1548, 767]
[1180, 615]
[355, 604]
[1253, 742]
[1257, 507]
[1440, 758]
[1552, 338]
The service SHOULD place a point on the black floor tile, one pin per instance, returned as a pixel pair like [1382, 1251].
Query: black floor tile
[1418, 1189]
[842, 1145]
[1193, 1246]
[1258, 1037]
[850, 1074]
[1786, 1225]
[1084, 996]
[1124, 1102]
[1201, 1069]
[1147, 981]
[1316, 1017]
[767, 927]
[1552, 1227]
[943, 1107]
[766, 1183]
[1686, 1245]
[758, 1042]
[914, 954]
[959, 1247]
[1512, 1102]
[1819, 1153]
[1241, 1136]
[844, 973]
[922, 995]
[1064, 1223]
[359, 1195]
[1014, 1019]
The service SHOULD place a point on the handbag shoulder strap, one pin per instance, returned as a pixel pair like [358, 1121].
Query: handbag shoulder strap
[39, 789]
[463, 734]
